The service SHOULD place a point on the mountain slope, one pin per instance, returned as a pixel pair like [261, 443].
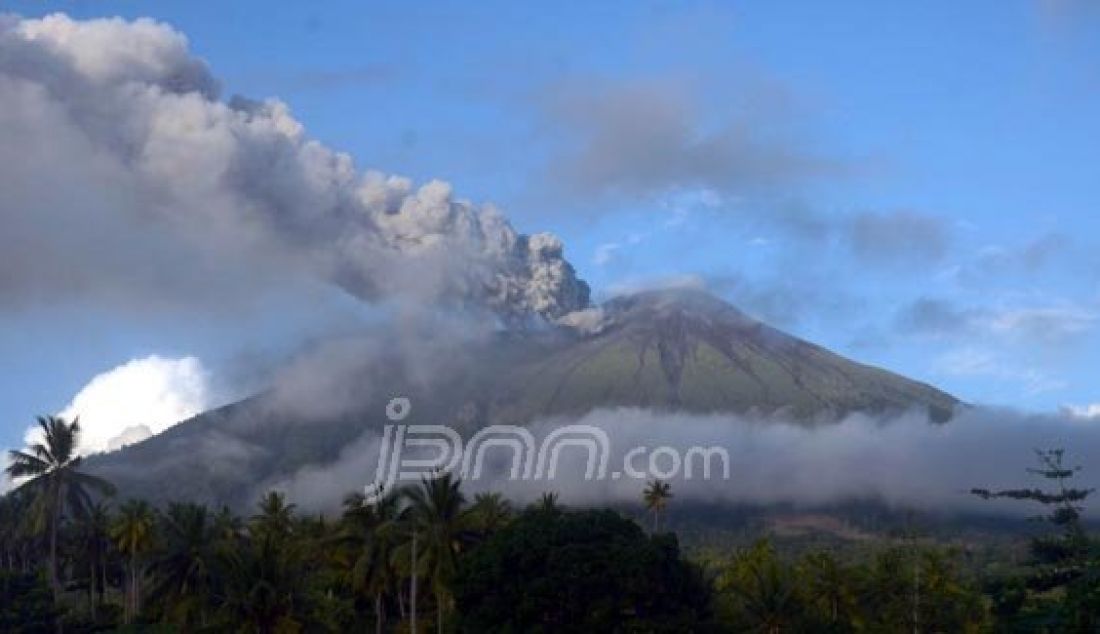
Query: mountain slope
[666, 350]
[687, 350]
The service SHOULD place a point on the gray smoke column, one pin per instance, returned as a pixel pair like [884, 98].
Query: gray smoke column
[125, 173]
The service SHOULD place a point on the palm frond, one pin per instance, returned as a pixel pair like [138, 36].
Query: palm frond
[24, 464]
[42, 448]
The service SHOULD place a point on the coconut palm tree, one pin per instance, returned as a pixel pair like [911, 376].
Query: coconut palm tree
[763, 589]
[55, 482]
[436, 512]
[656, 498]
[827, 584]
[186, 563]
[229, 527]
[132, 533]
[263, 586]
[490, 512]
[275, 521]
[93, 533]
[372, 530]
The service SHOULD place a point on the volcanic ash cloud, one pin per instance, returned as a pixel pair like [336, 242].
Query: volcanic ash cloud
[128, 178]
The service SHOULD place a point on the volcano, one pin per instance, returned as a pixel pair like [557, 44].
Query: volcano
[686, 350]
[670, 350]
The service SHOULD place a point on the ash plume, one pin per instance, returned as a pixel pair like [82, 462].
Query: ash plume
[122, 161]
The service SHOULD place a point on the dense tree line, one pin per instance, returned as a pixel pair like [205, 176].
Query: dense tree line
[430, 558]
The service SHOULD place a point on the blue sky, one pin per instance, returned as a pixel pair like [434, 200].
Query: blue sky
[913, 186]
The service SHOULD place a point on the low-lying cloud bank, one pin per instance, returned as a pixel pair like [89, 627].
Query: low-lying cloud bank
[902, 460]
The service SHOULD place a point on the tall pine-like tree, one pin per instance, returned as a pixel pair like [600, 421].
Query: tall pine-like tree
[1066, 558]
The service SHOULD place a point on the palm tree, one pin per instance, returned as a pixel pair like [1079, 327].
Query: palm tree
[186, 562]
[275, 520]
[18, 541]
[548, 502]
[436, 514]
[656, 498]
[764, 590]
[54, 481]
[263, 585]
[373, 531]
[133, 535]
[490, 512]
[94, 531]
[9, 531]
[229, 527]
[828, 585]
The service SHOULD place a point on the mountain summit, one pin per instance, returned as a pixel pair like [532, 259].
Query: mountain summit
[685, 349]
[672, 350]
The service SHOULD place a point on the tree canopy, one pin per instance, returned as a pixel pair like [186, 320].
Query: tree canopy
[579, 571]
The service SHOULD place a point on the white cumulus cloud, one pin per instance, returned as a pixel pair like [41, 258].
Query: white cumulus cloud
[139, 398]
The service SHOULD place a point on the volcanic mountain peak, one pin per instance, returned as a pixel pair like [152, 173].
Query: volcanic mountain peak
[680, 299]
[684, 349]
[676, 351]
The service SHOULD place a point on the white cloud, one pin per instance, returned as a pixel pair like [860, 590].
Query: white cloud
[1083, 412]
[138, 398]
[5, 482]
[605, 253]
[1046, 323]
[972, 362]
[129, 436]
